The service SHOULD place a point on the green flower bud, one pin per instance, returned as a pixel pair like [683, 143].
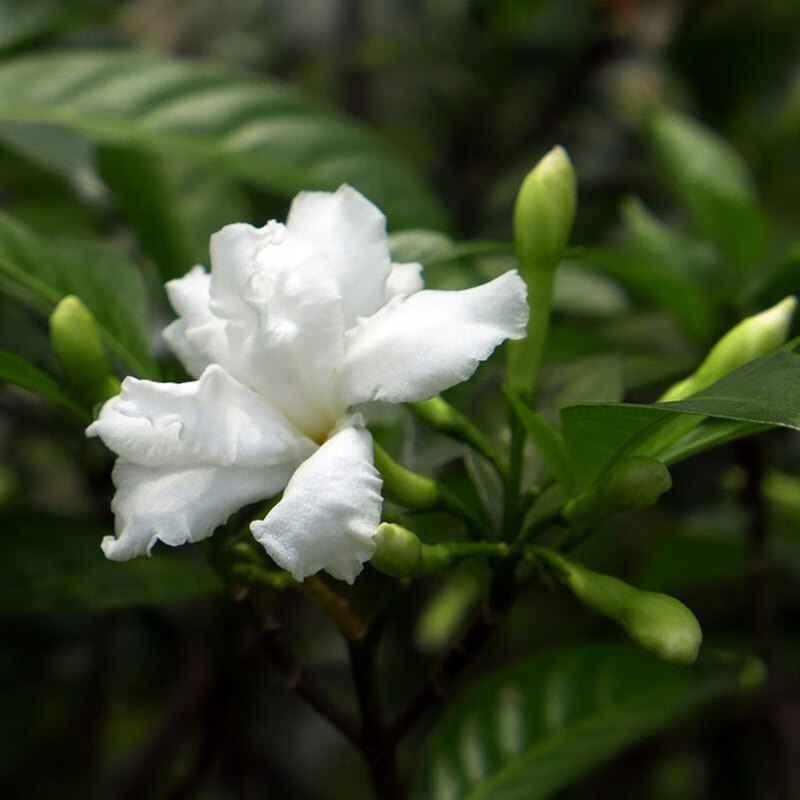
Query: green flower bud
[544, 213]
[398, 551]
[656, 622]
[80, 350]
[635, 482]
[543, 217]
[754, 337]
[402, 486]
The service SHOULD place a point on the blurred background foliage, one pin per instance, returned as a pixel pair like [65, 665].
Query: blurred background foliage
[682, 118]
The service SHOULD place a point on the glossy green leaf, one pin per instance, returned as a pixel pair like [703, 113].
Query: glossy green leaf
[41, 271]
[761, 393]
[53, 563]
[714, 184]
[262, 131]
[531, 729]
[16, 370]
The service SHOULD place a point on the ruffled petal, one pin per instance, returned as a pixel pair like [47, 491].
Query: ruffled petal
[329, 512]
[236, 261]
[351, 233]
[214, 420]
[291, 353]
[179, 505]
[404, 279]
[197, 337]
[417, 346]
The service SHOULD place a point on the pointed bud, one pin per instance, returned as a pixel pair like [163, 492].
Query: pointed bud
[543, 217]
[635, 482]
[656, 622]
[544, 213]
[754, 337]
[80, 350]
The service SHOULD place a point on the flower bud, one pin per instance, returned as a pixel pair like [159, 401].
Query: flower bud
[635, 482]
[543, 217]
[400, 553]
[79, 348]
[544, 213]
[756, 336]
[656, 622]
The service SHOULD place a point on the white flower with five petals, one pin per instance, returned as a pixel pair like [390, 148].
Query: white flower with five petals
[294, 326]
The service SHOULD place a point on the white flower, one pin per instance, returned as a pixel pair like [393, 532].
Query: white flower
[295, 325]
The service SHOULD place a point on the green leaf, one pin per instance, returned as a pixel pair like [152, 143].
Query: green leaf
[714, 184]
[51, 563]
[40, 272]
[33, 21]
[547, 440]
[655, 283]
[533, 728]
[262, 131]
[173, 205]
[432, 248]
[20, 372]
[761, 393]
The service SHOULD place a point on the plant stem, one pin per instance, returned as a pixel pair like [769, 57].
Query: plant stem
[377, 746]
[297, 677]
[447, 670]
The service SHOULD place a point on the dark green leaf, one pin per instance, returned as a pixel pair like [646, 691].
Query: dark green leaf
[20, 372]
[714, 184]
[758, 394]
[537, 726]
[51, 563]
[261, 131]
[40, 272]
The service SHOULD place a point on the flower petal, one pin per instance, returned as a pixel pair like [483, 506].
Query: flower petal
[417, 346]
[404, 279]
[197, 337]
[351, 233]
[330, 511]
[179, 505]
[236, 259]
[214, 420]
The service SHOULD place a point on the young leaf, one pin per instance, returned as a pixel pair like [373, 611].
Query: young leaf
[533, 728]
[261, 131]
[714, 183]
[51, 563]
[40, 272]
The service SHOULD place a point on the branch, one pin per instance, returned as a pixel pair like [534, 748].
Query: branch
[298, 678]
[451, 665]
